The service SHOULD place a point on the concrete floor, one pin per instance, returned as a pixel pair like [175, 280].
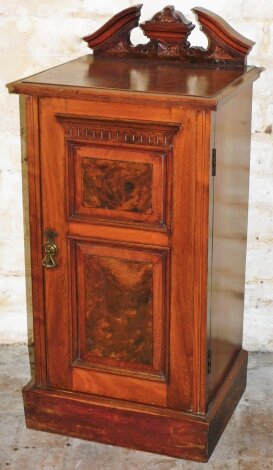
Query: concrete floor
[247, 443]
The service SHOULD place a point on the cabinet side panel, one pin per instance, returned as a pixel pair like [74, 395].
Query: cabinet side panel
[231, 183]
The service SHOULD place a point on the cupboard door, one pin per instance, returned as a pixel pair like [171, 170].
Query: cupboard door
[108, 325]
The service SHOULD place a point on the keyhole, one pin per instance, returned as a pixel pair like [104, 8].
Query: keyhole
[129, 186]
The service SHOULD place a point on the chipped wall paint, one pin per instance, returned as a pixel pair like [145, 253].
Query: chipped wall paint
[38, 35]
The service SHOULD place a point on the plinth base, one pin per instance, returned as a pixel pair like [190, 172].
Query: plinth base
[141, 427]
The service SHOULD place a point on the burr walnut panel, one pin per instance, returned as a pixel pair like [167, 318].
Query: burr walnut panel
[118, 185]
[121, 312]
[118, 299]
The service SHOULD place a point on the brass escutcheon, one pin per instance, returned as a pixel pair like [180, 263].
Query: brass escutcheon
[50, 249]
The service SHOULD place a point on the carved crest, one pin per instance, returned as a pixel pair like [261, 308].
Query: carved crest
[168, 31]
[168, 27]
[168, 15]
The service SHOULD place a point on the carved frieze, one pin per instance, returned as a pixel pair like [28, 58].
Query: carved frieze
[118, 132]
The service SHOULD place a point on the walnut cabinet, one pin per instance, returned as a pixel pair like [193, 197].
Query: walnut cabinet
[138, 161]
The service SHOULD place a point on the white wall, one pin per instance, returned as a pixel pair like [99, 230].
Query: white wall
[37, 35]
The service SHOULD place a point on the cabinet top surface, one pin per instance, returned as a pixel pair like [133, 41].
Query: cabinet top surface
[128, 75]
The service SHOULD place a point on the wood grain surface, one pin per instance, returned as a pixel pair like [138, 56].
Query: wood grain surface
[118, 299]
[143, 83]
[138, 76]
[231, 184]
[119, 185]
[119, 308]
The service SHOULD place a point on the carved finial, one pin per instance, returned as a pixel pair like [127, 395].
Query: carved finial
[168, 27]
[168, 31]
[169, 15]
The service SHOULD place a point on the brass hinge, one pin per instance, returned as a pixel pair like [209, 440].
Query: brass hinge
[209, 361]
[213, 162]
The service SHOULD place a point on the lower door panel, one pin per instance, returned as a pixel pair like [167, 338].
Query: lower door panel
[119, 320]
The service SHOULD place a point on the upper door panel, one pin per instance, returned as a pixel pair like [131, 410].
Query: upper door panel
[116, 184]
[117, 171]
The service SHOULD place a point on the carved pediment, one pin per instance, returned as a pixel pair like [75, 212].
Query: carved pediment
[168, 31]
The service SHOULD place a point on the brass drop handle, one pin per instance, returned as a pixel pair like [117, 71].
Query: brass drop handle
[50, 249]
